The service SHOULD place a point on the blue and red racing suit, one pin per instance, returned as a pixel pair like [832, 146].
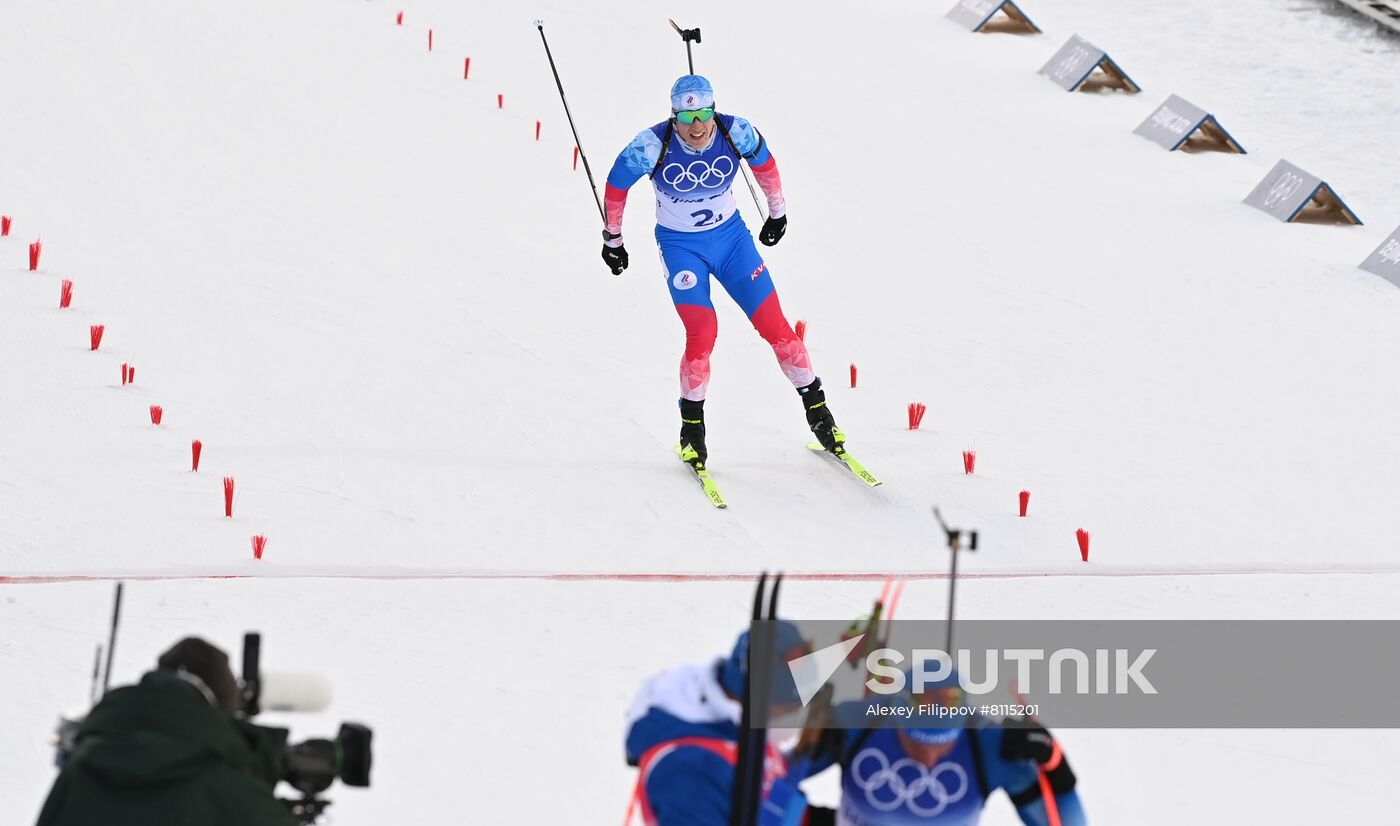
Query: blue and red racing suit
[682, 735]
[881, 785]
[700, 233]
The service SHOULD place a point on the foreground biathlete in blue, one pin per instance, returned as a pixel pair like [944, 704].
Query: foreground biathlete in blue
[683, 730]
[899, 777]
[936, 774]
[692, 160]
[683, 736]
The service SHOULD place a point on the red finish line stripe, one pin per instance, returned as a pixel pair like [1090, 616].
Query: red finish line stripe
[656, 576]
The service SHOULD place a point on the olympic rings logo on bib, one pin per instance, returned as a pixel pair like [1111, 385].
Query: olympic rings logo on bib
[686, 177]
[926, 792]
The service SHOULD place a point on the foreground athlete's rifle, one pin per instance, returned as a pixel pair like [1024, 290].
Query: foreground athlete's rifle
[688, 36]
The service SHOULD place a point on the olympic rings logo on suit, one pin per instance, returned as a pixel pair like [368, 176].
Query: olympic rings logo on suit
[909, 781]
[686, 177]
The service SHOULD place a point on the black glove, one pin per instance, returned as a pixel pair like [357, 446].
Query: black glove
[772, 231]
[1022, 739]
[615, 258]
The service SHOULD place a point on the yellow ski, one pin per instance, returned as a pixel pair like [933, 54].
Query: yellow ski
[708, 484]
[850, 462]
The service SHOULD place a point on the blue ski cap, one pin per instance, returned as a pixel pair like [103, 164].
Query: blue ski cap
[691, 92]
[930, 735]
[787, 644]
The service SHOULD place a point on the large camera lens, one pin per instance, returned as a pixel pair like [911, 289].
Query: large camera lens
[355, 755]
[311, 766]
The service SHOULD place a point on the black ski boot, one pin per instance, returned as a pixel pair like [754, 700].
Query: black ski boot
[693, 432]
[819, 418]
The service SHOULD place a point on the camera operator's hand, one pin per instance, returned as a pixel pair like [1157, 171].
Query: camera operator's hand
[773, 230]
[614, 253]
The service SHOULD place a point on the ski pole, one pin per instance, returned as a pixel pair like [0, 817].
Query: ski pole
[689, 36]
[1047, 792]
[894, 601]
[752, 194]
[743, 799]
[592, 186]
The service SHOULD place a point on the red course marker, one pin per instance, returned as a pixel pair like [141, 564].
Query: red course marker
[969, 461]
[575, 158]
[398, 18]
[430, 40]
[537, 130]
[126, 374]
[34, 250]
[228, 496]
[95, 334]
[853, 376]
[500, 101]
[196, 448]
[466, 68]
[1083, 537]
[259, 542]
[1025, 501]
[65, 294]
[156, 413]
[4, 225]
[916, 414]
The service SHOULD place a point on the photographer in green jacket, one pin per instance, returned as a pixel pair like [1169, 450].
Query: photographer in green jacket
[169, 751]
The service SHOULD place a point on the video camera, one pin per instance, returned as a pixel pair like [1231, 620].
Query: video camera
[310, 766]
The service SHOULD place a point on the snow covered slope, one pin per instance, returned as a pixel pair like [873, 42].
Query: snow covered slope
[376, 299]
[504, 702]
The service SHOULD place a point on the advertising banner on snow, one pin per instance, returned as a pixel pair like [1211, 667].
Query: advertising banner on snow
[1284, 191]
[1172, 122]
[973, 13]
[1385, 261]
[1073, 63]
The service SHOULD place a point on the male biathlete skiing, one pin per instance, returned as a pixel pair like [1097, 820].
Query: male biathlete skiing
[692, 159]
